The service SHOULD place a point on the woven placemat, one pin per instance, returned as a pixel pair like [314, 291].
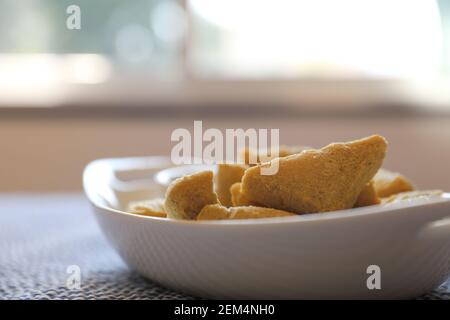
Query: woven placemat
[42, 235]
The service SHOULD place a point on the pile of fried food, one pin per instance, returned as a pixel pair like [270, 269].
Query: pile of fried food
[338, 176]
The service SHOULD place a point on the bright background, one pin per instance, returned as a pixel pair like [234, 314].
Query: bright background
[319, 70]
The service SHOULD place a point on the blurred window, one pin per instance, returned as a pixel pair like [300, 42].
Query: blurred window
[216, 39]
[242, 38]
[320, 38]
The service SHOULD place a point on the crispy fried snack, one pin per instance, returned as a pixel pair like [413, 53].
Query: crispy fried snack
[227, 175]
[387, 183]
[252, 212]
[153, 208]
[186, 196]
[317, 180]
[218, 212]
[411, 195]
[214, 212]
[237, 198]
[368, 196]
[252, 156]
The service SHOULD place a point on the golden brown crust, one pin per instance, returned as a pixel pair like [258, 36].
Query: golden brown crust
[368, 196]
[186, 196]
[214, 212]
[253, 212]
[317, 180]
[387, 183]
[153, 208]
[218, 212]
[227, 175]
[252, 156]
[237, 198]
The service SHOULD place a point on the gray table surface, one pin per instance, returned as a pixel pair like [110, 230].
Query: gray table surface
[41, 235]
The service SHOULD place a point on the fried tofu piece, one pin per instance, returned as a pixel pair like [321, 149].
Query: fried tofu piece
[387, 183]
[186, 196]
[252, 212]
[368, 196]
[153, 208]
[218, 212]
[214, 212]
[237, 198]
[411, 195]
[227, 175]
[252, 156]
[317, 180]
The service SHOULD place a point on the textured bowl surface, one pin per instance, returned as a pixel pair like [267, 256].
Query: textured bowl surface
[323, 256]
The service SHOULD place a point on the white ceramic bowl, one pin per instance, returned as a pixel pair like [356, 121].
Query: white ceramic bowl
[310, 256]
